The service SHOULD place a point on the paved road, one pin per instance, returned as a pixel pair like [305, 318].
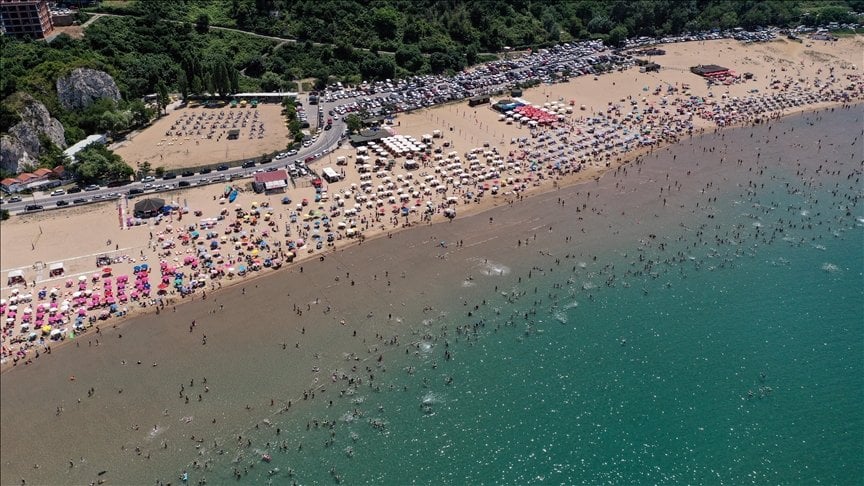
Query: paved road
[328, 141]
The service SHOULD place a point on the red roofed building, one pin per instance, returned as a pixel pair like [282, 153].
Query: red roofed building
[10, 185]
[38, 177]
[25, 177]
[275, 181]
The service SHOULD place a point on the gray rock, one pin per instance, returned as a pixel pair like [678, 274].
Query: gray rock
[83, 86]
[13, 155]
[21, 146]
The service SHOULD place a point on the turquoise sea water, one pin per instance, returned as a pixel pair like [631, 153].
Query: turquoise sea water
[723, 344]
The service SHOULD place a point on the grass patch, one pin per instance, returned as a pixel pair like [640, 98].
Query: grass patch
[218, 12]
[117, 3]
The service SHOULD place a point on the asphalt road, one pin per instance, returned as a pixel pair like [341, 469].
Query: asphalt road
[328, 140]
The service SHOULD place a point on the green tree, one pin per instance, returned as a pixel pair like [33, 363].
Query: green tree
[162, 98]
[410, 58]
[144, 169]
[159, 171]
[354, 123]
[202, 23]
[183, 85]
[116, 121]
[438, 62]
[271, 81]
[386, 21]
[97, 163]
[617, 35]
[50, 155]
[140, 113]
[4, 214]
[600, 25]
[471, 53]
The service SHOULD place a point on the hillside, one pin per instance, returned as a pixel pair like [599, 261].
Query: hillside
[486, 26]
[162, 47]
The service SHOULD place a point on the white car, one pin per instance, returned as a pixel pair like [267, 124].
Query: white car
[148, 179]
[58, 192]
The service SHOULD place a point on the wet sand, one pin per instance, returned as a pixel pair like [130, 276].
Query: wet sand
[244, 339]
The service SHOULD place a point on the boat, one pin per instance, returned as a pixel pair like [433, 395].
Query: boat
[232, 196]
[266, 457]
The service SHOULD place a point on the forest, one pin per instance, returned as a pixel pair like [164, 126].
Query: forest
[161, 47]
[489, 25]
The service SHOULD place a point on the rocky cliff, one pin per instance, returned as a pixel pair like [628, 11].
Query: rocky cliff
[83, 86]
[21, 146]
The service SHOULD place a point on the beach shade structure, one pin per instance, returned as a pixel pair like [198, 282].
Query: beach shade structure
[149, 207]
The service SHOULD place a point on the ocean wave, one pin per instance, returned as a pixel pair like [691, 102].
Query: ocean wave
[492, 269]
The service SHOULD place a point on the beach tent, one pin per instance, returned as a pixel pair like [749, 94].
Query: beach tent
[15, 277]
[56, 269]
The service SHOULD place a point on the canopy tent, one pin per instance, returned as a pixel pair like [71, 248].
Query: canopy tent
[56, 269]
[15, 277]
[148, 207]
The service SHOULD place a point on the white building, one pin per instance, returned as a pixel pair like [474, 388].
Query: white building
[72, 151]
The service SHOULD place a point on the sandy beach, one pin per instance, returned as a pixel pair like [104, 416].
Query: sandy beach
[604, 123]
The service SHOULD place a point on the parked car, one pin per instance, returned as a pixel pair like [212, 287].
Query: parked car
[80, 200]
[248, 164]
[62, 203]
[14, 199]
[169, 175]
[136, 190]
[73, 190]
[222, 167]
[188, 173]
[33, 207]
[183, 184]
[148, 179]
[206, 170]
[92, 187]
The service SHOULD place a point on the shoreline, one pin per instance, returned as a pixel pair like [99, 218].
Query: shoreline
[245, 364]
[466, 134]
[562, 182]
